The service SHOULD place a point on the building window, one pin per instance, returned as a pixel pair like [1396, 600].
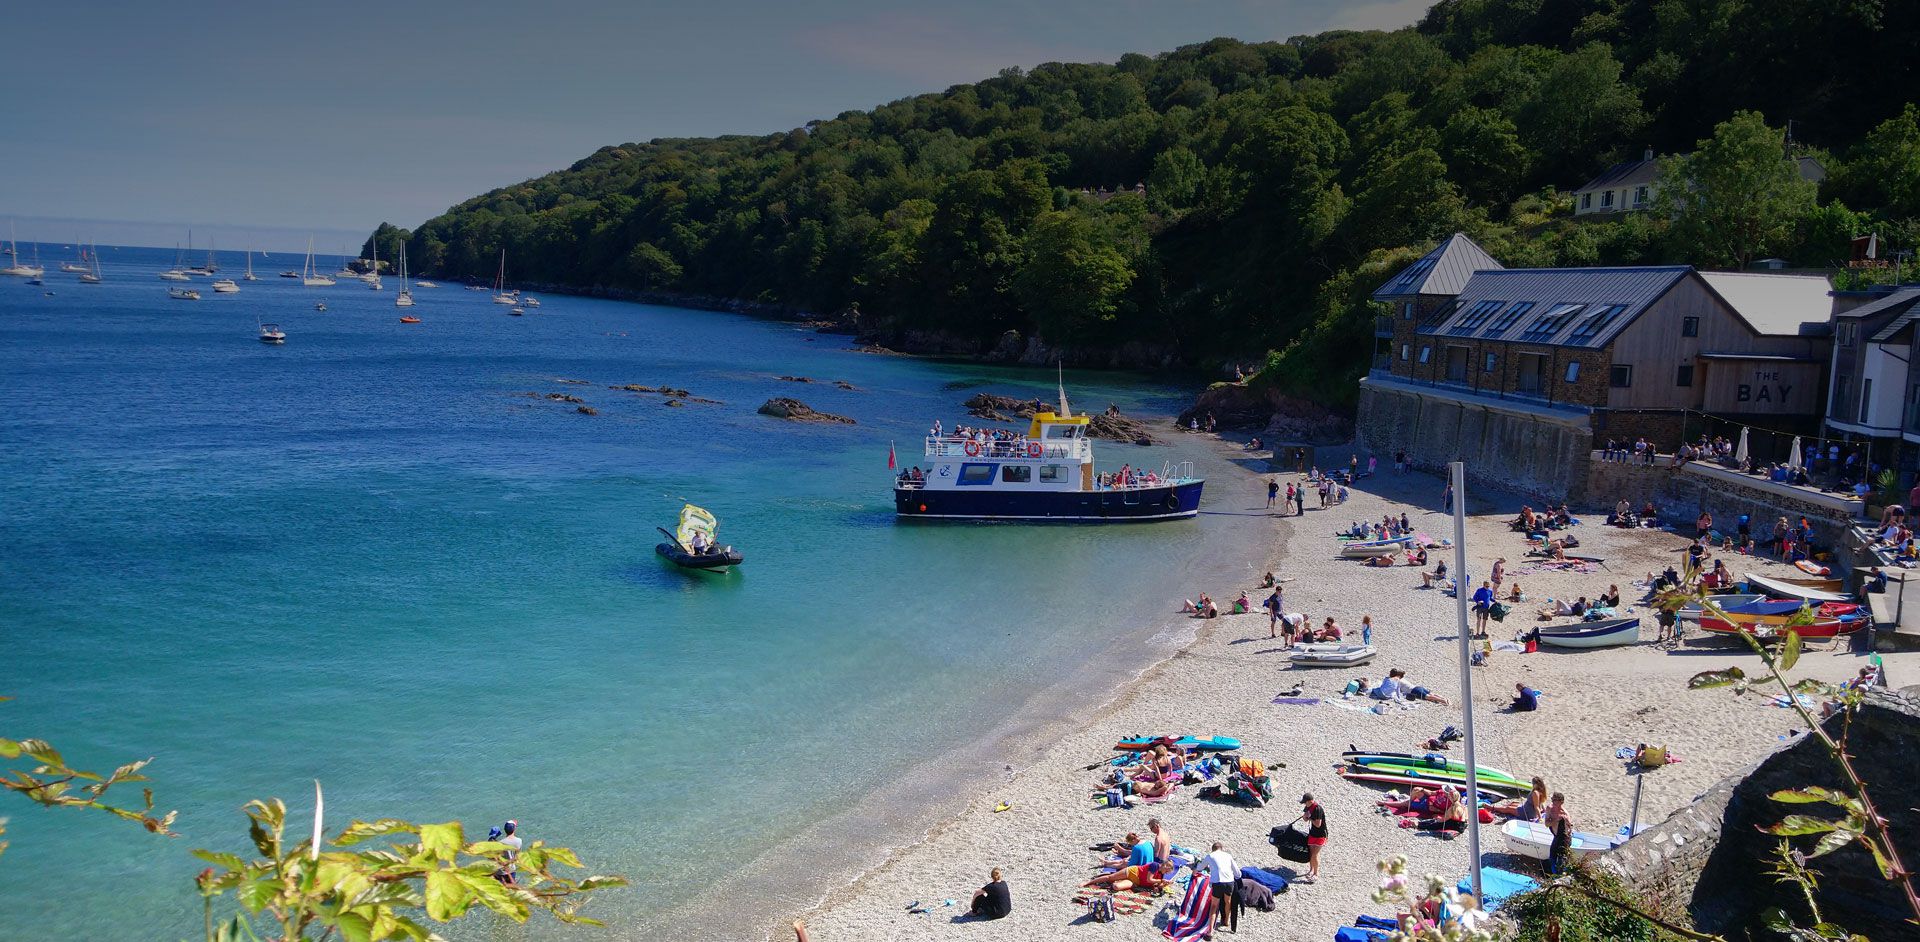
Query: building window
[1406, 311]
[1689, 327]
[1573, 371]
[1507, 318]
[1866, 400]
[1640, 196]
[1846, 331]
[1533, 374]
[1683, 376]
[1406, 351]
[1426, 354]
[1491, 360]
[1606, 200]
[1586, 201]
[1456, 364]
[1620, 377]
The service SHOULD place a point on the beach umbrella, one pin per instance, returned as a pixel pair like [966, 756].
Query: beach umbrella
[1740, 453]
[1793, 455]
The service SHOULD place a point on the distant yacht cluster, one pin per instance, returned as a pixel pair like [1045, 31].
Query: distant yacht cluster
[87, 267]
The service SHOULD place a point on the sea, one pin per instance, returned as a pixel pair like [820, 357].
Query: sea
[385, 558]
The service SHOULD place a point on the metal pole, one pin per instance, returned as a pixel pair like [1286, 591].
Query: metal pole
[1463, 584]
[1639, 785]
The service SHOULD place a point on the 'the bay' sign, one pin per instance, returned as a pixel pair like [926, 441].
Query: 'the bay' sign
[1775, 388]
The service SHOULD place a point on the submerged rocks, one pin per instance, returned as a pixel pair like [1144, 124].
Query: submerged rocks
[795, 379]
[587, 410]
[1110, 425]
[563, 397]
[794, 410]
[670, 392]
[843, 384]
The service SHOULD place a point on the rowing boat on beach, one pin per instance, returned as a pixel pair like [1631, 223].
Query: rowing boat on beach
[1794, 589]
[1332, 655]
[1533, 839]
[1769, 618]
[1373, 548]
[1611, 633]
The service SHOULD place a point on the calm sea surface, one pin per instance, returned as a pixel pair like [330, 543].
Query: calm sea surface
[370, 558]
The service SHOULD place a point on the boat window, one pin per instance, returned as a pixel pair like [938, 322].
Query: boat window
[1016, 473]
[976, 473]
[1061, 431]
[1053, 472]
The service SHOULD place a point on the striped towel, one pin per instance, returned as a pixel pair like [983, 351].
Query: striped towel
[1194, 919]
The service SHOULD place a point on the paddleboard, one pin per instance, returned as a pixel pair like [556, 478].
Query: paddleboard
[1387, 760]
[1189, 743]
[1381, 777]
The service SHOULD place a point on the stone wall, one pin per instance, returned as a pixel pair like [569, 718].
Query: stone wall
[1507, 448]
[1711, 859]
[1683, 492]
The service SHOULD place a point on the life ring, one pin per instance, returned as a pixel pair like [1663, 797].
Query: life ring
[973, 449]
[1173, 501]
[1033, 449]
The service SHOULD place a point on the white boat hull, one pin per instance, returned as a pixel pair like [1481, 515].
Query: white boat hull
[1533, 839]
[1332, 655]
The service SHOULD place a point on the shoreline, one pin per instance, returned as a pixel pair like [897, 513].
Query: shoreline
[1220, 681]
[937, 790]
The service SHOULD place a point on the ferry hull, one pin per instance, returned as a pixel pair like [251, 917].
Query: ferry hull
[1170, 502]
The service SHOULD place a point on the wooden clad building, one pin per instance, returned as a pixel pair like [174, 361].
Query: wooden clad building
[1634, 349]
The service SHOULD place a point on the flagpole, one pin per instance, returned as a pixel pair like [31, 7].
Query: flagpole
[1462, 585]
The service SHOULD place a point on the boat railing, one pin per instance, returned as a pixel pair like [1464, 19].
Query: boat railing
[953, 446]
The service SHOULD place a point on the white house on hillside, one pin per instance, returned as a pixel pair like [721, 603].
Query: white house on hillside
[1630, 185]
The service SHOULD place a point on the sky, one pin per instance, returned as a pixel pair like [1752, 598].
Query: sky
[262, 123]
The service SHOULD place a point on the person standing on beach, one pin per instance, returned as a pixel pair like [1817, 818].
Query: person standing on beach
[1275, 603]
[509, 837]
[1447, 495]
[1316, 818]
[1222, 874]
[1273, 491]
[1300, 501]
[1499, 573]
[1482, 607]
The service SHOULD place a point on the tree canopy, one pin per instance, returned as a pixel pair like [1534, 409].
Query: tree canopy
[1228, 198]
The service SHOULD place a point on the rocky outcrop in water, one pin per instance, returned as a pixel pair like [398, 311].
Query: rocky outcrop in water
[1279, 418]
[797, 411]
[1110, 425]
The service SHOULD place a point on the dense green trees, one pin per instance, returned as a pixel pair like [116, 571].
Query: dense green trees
[1278, 177]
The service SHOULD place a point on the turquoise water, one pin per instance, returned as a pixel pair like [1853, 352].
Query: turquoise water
[367, 557]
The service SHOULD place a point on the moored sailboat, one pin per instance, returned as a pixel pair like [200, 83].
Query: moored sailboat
[311, 278]
[500, 293]
[405, 297]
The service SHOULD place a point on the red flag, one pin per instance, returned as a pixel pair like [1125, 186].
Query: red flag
[890, 463]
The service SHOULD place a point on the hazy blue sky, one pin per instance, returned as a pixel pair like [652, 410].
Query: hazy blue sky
[279, 119]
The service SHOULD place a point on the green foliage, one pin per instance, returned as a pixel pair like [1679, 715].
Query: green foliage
[1558, 915]
[36, 771]
[379, 878]
[1270, 168]
[1736, 197]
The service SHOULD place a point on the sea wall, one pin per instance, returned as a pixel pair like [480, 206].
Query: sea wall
[1539, 452]
[1711, 860]
[1682, 492]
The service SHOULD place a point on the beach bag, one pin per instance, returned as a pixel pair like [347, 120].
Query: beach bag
[1498, 611]
[1290, 842]
[1253, 768]
[1267, 878]
[1100, 909]
[1115, 799]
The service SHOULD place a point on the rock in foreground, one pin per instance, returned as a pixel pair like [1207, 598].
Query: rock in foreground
[795, 410]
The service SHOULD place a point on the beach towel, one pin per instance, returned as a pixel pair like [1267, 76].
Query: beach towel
[1497, 886]
[1267, 878]
[1357, 934]
[1362, 707]
[1296, 701]
[1376, 922]
[1194, 918]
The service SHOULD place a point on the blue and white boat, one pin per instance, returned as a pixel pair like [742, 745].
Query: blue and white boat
[1047, 474]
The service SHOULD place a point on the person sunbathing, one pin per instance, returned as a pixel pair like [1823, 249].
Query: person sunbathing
[1381, 561]
[1419, 801]
[1449, 823]
[1147, 878]
[1527, 808]
[1152, 783]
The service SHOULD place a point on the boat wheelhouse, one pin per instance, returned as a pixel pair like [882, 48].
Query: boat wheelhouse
[1046, 474]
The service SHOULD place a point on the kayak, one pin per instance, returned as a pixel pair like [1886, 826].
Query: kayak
[1189, 743]
[1427, 763]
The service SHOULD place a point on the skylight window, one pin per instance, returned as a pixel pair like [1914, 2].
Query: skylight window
[1546, 325]
[1593, 325]
[1476, 316]
[1508, 317]
[1416, 270]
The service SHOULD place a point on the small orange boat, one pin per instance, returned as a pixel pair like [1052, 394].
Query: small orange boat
[409, 319]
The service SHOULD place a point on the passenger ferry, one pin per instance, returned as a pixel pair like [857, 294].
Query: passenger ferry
[1046, 475]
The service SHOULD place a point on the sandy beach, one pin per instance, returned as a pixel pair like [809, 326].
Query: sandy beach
[1223, 683]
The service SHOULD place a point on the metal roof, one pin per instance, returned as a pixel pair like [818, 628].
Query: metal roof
[1624, 173]
[1578, 307]
[1901, 299]
[1778, 305]
[1442, 271]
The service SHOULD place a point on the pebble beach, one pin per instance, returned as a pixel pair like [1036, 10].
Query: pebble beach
[1225, 681]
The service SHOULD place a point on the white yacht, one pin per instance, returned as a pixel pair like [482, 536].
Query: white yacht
[78, 267]
[311, 278]
[225, 286]
[425, 284]
[271, 333]
[176, 273]
[529, 301]
[405, 297]
[92, 277]
[500, 293]
[249, 275]
[183, 294]
[14, 268]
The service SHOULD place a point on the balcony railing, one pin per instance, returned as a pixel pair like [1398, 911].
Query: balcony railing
[953, 446]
